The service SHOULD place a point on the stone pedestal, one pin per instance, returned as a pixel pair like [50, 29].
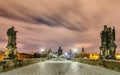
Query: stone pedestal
[11, 53]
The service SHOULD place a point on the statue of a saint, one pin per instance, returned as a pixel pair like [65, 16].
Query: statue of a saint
[111, 35]
[11, 49]
[108, 46]
[11, 33]
[104, 35]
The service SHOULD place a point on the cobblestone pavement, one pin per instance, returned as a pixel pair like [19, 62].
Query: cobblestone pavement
[60, 67]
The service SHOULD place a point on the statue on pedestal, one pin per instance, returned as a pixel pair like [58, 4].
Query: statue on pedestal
[11, 51]
[108, 46]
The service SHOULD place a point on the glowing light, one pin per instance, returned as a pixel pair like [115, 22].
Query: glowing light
[75, 50]
[42, 49]
[117, 56]
[66, 54]
[94, 56]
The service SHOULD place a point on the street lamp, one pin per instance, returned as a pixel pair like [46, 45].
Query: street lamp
[42, 50]
[66, 53]
[74, 52]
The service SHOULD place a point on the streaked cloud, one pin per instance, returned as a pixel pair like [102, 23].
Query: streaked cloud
[53, 23]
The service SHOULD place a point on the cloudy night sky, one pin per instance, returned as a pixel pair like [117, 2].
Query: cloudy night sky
[53, 23]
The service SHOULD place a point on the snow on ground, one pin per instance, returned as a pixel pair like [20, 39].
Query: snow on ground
[58, 67]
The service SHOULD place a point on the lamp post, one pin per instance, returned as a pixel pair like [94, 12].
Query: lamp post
[42, 50]
[74, 52]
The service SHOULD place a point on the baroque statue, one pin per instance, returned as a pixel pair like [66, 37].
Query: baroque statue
[108, 46]
[11, 51]
[11, 33]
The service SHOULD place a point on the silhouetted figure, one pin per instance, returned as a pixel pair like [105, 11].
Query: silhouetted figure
[60, 51]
